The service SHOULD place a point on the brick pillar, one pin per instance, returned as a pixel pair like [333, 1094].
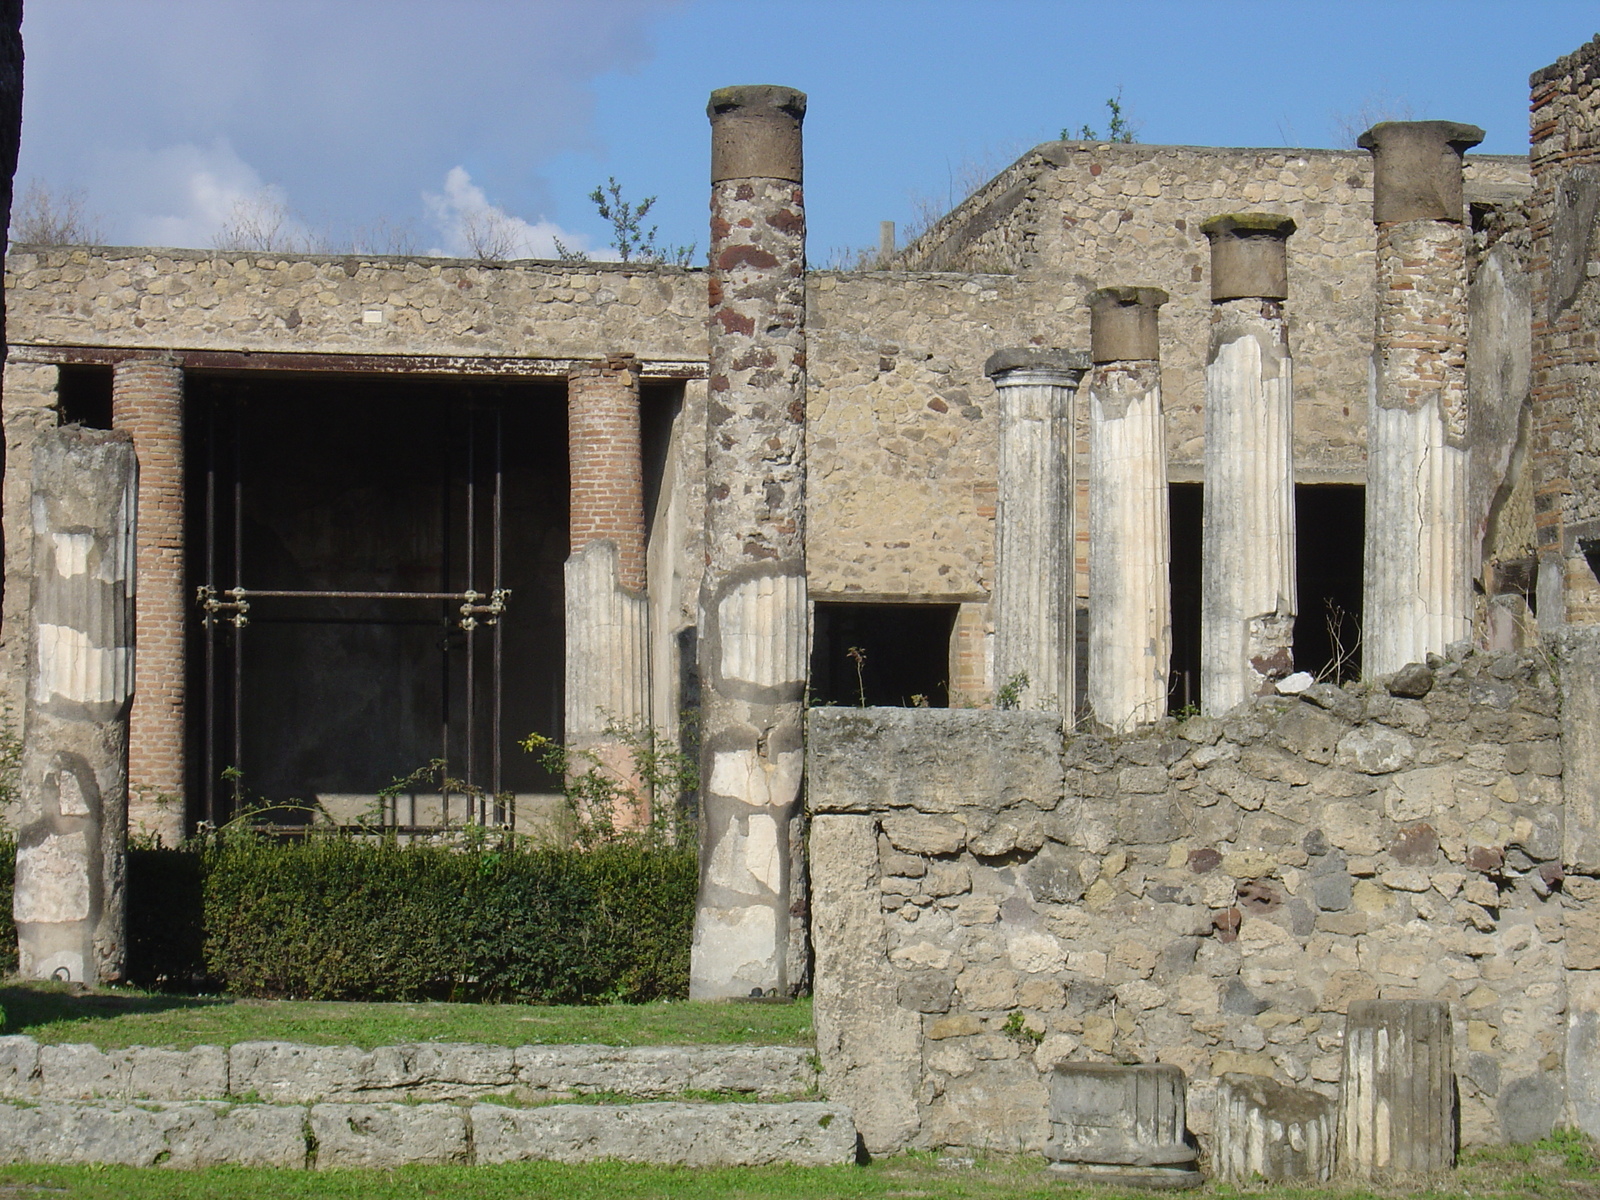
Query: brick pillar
[1419, 562]
[1130, 545]
[749, 926]
[147, 401]
[1035, 641]
[1247, 584]
[607, 615]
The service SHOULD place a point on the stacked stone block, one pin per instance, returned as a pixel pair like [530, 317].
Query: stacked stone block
[1213, 894]
[147, 402]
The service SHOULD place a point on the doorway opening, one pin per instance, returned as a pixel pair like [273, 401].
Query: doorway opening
[379, 562]
[890, 655]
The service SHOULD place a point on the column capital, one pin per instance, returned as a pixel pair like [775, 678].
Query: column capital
[1416, 172]
[1249, 255]
[1034, 364]
[1123, 324]
[755, 132]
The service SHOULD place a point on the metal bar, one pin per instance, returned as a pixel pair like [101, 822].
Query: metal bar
[495, 587]
[509, 366]
[445, 548]
[210, 753]
[416, 622]
[311, 595]
[238, 581]
[472, 577]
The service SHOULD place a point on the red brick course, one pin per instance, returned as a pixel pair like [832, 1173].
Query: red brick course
[607, 496]
[147, 401]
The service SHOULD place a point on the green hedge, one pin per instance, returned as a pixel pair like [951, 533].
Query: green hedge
[345, 919]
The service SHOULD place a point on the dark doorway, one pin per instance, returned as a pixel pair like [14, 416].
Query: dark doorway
[894, 655]
[84, 396]
[377, 503]
[1184, 513]
[1330, 531]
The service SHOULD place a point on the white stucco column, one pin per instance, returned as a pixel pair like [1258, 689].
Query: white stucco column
[1247, 580]
[1130, 550]
[1419, 561]
[1034, 523]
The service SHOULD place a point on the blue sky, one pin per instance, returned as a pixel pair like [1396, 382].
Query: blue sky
[165, 114]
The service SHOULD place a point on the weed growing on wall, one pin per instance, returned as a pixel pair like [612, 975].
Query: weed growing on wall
[606, 803]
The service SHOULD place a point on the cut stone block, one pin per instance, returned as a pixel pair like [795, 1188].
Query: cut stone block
[1121, 1125]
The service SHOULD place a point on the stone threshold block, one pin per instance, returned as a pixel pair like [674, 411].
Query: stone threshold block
[1121, 1125]
[294, 1073]
[384, 1136]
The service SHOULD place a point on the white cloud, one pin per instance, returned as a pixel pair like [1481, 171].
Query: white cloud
[472, 227]
[185, 194]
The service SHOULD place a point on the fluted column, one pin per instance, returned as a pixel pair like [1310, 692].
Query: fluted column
[72, 829]
[147, 401]
[607, 614]
[1247, 578]
[1033, 532]
[749, 934]
[1130, 553]
[1419, 562]
[1397, 1089]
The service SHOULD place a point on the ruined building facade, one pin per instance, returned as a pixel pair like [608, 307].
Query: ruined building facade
[396, 509]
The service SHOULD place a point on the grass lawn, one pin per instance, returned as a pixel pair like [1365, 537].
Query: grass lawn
[1560, 1167]
[112, 1018]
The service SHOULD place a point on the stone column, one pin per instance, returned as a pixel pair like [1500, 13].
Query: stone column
[1033, 528]
[607, 612]
[1267, 1130]
[1419, 563]
[69, 902]
[1130, 602]
[147, 401]
[1247, 577]
[1397, 1089]
[749, 935]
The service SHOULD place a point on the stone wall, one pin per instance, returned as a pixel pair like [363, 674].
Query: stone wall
[992, 896]
[1565, 220]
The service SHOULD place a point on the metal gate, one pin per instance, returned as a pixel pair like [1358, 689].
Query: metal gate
[295, 588]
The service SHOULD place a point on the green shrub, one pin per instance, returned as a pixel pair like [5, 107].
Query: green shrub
[356, 919]
[342, 918]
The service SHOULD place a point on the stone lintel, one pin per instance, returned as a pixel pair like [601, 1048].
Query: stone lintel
[1123, 324]
[1034, 364]
[755, 132]
[1417, 169]
[1249, 255]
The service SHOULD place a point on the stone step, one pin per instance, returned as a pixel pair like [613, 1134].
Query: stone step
[385, 1135]
[295, 1073]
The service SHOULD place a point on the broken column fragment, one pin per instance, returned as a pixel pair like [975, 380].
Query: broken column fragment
[1419, 563]
[1267, 1130]
[753, 612]
[69, 902]
[1121, 1125]
[1397, 1089]
[607, 613]
[147, 402]
[1033, 539]
[1248, 599]
[1130, 552]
